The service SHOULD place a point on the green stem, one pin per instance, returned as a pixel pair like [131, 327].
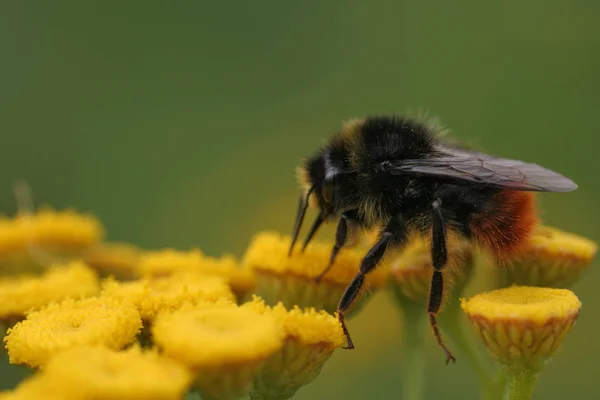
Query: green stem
[414, 347]
[522, 383]
[492, 384]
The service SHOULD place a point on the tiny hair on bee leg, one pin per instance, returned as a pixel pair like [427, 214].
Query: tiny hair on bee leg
[439, 257]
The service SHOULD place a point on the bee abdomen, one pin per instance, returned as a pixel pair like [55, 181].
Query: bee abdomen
[506, 224]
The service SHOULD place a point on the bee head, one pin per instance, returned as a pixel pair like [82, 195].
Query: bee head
[320, 183]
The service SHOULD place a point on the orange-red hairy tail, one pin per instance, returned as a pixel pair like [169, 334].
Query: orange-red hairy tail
[509, 220]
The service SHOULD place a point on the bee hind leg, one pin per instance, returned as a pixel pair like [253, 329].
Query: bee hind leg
[395, 232]
[439, 257]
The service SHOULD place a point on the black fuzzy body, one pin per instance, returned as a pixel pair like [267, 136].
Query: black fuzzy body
[361, 186]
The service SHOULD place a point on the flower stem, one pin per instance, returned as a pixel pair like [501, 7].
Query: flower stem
[414, 347]
[492, 384]
[522, 383]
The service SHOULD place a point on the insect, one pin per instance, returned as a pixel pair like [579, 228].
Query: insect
[400, 175]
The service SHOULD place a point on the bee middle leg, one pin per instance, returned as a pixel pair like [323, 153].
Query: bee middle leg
[394, 232]
[439, 257]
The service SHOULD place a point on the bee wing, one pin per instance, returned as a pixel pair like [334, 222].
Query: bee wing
[487, 170]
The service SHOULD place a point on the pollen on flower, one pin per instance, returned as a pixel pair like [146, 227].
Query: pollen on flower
[20, 294]
[412, 269]
[92, 321]
[523, 325]
[552, 258]
[113, 259]
[86, 372]
[291, 279]
[169, 261]
[155, 294]
[57, 232]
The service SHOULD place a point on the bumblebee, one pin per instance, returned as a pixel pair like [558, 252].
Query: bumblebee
[400, 175]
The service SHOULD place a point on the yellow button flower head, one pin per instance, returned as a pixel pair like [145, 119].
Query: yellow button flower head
[523, 326]
[552, 258]
[95, 321]
[310, 339]
[411, 271]
[224, 344]
[99, 373]
[26, 238]
[34, 388]
[21, 294]
[291, 280]
[152, 295]
[168, 261]
[114, 259]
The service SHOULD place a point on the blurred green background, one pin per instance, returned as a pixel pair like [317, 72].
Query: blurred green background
[180, 124]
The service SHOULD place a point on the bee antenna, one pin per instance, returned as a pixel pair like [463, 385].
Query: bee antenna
[315, 227]
[302, 206]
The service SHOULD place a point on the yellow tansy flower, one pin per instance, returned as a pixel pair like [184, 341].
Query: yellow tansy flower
[523, 326]
[411, 271]
[45, 235]
[34, 388]
[23, 293]
[168, 261]
[552, 258]
[152, 295]
[120, 260]
[98, 373]
[224, 344]
[291, 280]
[310, 339]
[93, 321]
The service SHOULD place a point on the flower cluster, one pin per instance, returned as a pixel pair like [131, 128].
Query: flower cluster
[105, 320]
[28, 240]
[111, 320]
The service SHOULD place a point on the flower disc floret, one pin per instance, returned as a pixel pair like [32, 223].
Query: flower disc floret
[552, 258]
[156, 294]
[217, 336]
[102, 373]
[59, 230]
[103, 321]
[523, 325]
[23, 293]
[224, 344]
[114, 259]
[169, 261]
[310, 337]
[291, 279]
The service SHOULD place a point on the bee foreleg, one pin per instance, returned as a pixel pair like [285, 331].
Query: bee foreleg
[341, 236]
[395, 232]
[439, 257]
